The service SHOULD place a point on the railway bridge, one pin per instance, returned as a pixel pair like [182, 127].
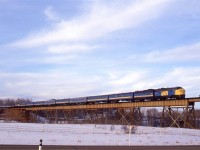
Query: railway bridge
[175, 113]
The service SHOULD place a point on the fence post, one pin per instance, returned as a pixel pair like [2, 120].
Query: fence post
[40, 146]
[129, 139]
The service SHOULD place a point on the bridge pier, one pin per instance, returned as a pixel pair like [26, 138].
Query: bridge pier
[129, 116]
[27, 115]
[125, 116]
[96, 116]
[56, 115]
[181, 117]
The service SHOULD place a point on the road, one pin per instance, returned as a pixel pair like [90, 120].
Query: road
[34, 147]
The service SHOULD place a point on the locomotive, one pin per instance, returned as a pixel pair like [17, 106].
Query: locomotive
[137, 96]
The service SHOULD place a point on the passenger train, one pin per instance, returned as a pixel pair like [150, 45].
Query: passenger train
[143, 95]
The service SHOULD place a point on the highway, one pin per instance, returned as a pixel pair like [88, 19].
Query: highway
[54, 147]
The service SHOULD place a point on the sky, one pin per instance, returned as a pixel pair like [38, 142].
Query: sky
[70, 48]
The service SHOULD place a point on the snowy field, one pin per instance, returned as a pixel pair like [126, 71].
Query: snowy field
[70, 134]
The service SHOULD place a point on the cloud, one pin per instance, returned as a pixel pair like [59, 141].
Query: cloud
[64, 48]
[179, 54]
[187, 77]
[52, 84]
[130, 77]
[99, 21]
[51, 14]
[58, 59]
[63, 83]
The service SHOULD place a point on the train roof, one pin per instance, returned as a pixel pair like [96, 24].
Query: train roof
[177, 87]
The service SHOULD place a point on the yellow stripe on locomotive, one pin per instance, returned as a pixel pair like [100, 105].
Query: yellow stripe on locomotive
[180, 92]
[164, 93]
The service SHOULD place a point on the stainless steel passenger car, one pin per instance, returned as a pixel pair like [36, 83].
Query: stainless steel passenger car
[121, 96]
[38, 103]
[78, 100]
[29, 103]
[50, 102]
[62, 101]
[144, 95]
[100, 98]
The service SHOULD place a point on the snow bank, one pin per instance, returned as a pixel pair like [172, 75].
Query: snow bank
[70, 134]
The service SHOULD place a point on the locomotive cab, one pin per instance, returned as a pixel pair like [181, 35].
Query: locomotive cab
[179, 93]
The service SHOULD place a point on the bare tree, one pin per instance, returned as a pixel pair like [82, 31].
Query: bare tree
[153, 117]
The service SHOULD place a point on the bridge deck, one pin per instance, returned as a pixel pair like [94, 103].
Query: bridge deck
[195, 99]
[172, 103]
[113, 105]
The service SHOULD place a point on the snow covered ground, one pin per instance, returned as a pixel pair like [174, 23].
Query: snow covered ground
[70, 134]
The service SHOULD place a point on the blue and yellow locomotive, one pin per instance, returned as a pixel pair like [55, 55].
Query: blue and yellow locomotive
[170, 93]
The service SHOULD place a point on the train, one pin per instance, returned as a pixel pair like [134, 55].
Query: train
[137, 96]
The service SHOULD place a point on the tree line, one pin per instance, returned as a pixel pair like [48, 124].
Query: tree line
[11, 102]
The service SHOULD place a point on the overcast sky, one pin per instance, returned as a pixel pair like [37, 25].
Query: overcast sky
[69, 48]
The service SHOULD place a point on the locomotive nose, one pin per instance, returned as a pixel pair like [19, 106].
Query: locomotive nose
[180, 92]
